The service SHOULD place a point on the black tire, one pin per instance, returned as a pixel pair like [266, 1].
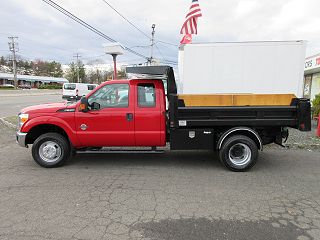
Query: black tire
[246, 147]
[73, 152]
[56, 141]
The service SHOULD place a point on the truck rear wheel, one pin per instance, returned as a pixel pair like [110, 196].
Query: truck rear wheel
[51, 150]
[239, 153]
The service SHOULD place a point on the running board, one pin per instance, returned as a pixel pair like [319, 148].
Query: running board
[104, 151]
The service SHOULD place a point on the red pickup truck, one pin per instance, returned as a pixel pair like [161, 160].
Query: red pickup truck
[134, 113]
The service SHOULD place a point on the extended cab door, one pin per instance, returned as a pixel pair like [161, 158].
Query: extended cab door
[113, 123]
[149, 113]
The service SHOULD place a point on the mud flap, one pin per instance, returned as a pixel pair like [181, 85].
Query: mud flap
[282, 137]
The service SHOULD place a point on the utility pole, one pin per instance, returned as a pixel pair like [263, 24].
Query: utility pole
[152, 42]
[14, 47]
[77, 56]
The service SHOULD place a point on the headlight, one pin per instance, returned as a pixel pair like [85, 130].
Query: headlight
[23, 117]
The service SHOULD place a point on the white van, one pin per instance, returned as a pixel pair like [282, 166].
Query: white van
[73, 91]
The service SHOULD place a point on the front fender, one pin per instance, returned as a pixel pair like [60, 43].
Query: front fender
[68, 127]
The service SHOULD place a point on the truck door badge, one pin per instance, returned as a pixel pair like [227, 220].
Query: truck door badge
[83, 127]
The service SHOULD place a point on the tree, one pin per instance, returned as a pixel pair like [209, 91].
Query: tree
[40, 68]
[316, 105]
[37, 67]
[94, 76]
[3, 62]
[54, 69]
[24, 67]
[72, 73]
[97, 76]
[122, 74]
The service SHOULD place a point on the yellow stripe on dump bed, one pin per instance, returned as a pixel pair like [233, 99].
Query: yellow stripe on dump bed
[207, 100]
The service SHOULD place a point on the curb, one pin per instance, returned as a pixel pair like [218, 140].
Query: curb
[32, 94]
[8, 124]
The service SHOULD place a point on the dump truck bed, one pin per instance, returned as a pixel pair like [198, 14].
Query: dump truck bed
[232, 100]
[295, 115]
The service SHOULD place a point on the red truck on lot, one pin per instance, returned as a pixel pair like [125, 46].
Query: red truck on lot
[134, 113]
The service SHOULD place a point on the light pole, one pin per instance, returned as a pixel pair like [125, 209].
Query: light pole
[114, 49]
[114, 57]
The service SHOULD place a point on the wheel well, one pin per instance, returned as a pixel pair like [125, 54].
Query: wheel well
[241, 131]
[36, 131]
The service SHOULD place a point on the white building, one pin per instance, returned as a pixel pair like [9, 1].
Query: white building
[33, 81]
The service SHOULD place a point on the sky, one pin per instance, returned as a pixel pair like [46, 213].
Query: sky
[44, 33]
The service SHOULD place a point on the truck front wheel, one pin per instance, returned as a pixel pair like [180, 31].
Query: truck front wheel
[239, 153]
[51, 150]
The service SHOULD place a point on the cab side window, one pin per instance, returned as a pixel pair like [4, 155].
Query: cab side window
[111, 96]
[146, 95]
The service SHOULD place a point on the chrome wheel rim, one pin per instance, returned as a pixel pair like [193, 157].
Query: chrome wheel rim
[50, 151]
[240, 154]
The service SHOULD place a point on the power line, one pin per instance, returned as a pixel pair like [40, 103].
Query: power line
[133, 25]
[88, 26]
[128, 21]
[93, 57]
[163, 58]
[174, 45]
[171, 63]
[67, 51]
[54, 47]
[145, 46]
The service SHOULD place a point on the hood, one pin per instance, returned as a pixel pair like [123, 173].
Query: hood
[48, 108]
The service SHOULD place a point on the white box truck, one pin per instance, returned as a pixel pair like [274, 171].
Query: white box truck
[242, 67]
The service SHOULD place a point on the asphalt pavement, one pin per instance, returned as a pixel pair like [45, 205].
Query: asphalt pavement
[172, 195]
[12, 101]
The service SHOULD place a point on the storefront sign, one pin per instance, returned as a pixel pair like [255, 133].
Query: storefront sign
[312, 62]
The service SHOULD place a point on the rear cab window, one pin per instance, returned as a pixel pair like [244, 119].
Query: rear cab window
[69, 86]
[146, 95]
[91, 87]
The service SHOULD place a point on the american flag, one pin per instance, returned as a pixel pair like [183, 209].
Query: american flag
[190, 25]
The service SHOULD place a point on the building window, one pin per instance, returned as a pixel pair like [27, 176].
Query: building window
[307, 86]
[315, 86]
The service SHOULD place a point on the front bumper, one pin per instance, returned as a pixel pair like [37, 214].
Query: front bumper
[21, 138]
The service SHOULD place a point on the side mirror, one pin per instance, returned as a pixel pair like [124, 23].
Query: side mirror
[83, 107]
[95, 106]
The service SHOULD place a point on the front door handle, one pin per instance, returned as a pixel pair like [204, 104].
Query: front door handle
[129, 117]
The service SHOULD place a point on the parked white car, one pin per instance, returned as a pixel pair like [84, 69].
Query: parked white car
[73, 91]
[7, 86]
